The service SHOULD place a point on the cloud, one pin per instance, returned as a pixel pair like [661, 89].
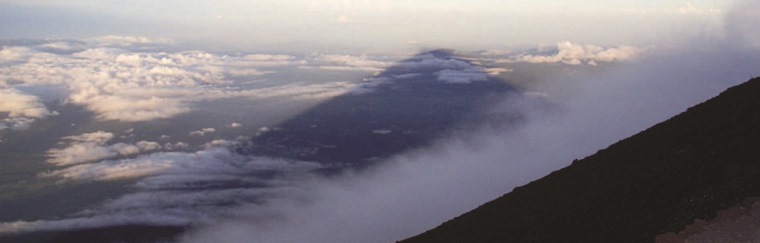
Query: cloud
[452, 70]
[63, 47]
[690, 8]
[462, 76]
[99, 137]
[269, 60]
[573, 54]
[120, 84]
[498, 71]
[176, 146]
[739, 24]
[347, 63]
[416, 191]
[433, 62]
[203, 132]
[175, 188]
[370, 84]
[132, 108]
[16, 123]
[116, 40]
[233, 198]
[148, 146]
[298, 91]
[12, 54]
[19, 104]
[234, 125]
[91, 147]
[22, 109]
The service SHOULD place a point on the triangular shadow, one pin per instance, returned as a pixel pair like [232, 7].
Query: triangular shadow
[406, 106]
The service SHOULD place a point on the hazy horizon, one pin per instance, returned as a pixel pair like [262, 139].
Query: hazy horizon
[379, 25]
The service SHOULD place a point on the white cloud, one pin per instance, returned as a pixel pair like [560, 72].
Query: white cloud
[234, 125]
[99, 137]
[451, 70]
[12, 54]
[298, 91]
[176, 146]
[247, 72]
[175, 189]
[203, 131]
[90, 147]
[497, 71]
[348, 63]
[148, 146]
[23, 109]
[569, 53]
[80, 153]
[267, 60]
[369, 85]
[115, 40]
[407, 76]
[99, 54]
[19, 104]
[63, 46]
[119, 84]
[132, 108]
[431, 62]
[16, 123]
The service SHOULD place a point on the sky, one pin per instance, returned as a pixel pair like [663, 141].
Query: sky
[160, 106]
[367, 24]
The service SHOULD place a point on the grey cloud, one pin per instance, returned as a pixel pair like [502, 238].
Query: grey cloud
[739, 23]
[176, 188]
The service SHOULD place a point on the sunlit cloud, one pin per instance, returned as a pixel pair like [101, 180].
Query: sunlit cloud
[573, 54]
[92, 147]
[121, 84]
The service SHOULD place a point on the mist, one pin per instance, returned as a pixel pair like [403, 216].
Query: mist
[421, 189]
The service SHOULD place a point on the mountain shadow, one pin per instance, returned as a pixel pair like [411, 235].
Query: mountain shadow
[406, 106]
[660, 180]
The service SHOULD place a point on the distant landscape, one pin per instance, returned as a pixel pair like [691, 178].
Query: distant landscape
[379, 121]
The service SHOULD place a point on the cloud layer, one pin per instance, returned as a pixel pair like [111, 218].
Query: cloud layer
[234, 198]
[574, 54]
[125, 78]
[90, 147]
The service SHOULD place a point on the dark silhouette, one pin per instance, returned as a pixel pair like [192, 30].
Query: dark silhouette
[405, 107]
[660, 180]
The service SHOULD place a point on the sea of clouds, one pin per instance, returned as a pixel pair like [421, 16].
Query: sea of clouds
[229, 197]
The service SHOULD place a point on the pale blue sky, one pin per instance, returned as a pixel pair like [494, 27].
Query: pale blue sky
[364, 24]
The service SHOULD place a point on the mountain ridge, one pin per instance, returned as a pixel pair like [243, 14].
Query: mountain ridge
[660, 180]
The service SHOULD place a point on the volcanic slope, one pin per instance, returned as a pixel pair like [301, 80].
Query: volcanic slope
[689, 167]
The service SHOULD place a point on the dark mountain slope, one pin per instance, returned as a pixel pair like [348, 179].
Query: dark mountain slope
[660, 180]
